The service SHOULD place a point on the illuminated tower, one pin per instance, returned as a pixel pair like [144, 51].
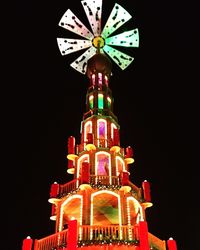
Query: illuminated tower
[100, 208]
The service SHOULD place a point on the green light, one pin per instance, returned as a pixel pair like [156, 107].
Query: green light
[91, 101]
[100, 101]
[109, 101]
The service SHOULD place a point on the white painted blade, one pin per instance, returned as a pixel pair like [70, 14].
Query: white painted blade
[121, 59]
[93, 10]
[67, 45]
[80, 64]
[126, 39]
[70, 22]
[117, 18]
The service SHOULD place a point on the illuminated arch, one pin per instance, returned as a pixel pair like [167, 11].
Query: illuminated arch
[87, 129]
[83, 158]
[137, 212]
[103, 164]
[134, 213]
[102, 132]
[73, 206]
[113, 126]
[104, 201]
[120, 165]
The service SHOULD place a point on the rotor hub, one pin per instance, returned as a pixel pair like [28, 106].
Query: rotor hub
[98, 42]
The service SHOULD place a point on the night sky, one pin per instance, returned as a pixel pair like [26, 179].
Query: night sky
[155, 100]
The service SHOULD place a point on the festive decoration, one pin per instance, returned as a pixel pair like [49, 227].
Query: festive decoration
[72, 235]
[143, 235]
[71, 145]
[100, 208]
[171, 243]
[27, 243]
[146, 190]
[54, 190]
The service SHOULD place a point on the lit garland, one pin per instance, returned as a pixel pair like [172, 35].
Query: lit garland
[108, 242]
[83, 243]
[105, 187]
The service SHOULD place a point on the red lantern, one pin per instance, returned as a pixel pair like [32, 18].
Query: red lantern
[72, 235]
[27, 243]
[146, 190]
[71, 145]
[171, 244]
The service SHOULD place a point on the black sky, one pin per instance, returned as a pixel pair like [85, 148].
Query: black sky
[155, 100]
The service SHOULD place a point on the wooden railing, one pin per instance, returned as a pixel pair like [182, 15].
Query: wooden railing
[97, 180]
[96, 233]
[156, 242]
[51, 242]
[68, 187]
[104, 180]
[109, 232]
[88, 233]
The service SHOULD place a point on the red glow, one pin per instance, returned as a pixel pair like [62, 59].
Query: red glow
[27, 244]
[146, 190]
[85, 173]
[54, 190]
[143, 235]
[72, 235]
[171, 244]
[71, 145]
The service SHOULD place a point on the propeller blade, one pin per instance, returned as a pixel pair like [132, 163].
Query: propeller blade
[70, 22]
[67, 45]
[117, 18]
[80, 64]
[93, 10]
[121, 59]
[126, 39]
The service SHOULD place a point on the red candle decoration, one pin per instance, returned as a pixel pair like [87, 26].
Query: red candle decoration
[146, 190]
[143, 235]
[89, 138]
[72, 235]
[85, 173]
[116, 137]
[129, 152]
[171, 244]
[27, 243]
[125, 178]
[54, 190]
[53, 210]
[71, 145]
[70, 164]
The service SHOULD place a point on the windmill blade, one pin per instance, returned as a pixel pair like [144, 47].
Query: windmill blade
[126, 39]
[70, 22]
[81, 62]
[93, 10]
[67, 45]
[121, 59]
[117, 18]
